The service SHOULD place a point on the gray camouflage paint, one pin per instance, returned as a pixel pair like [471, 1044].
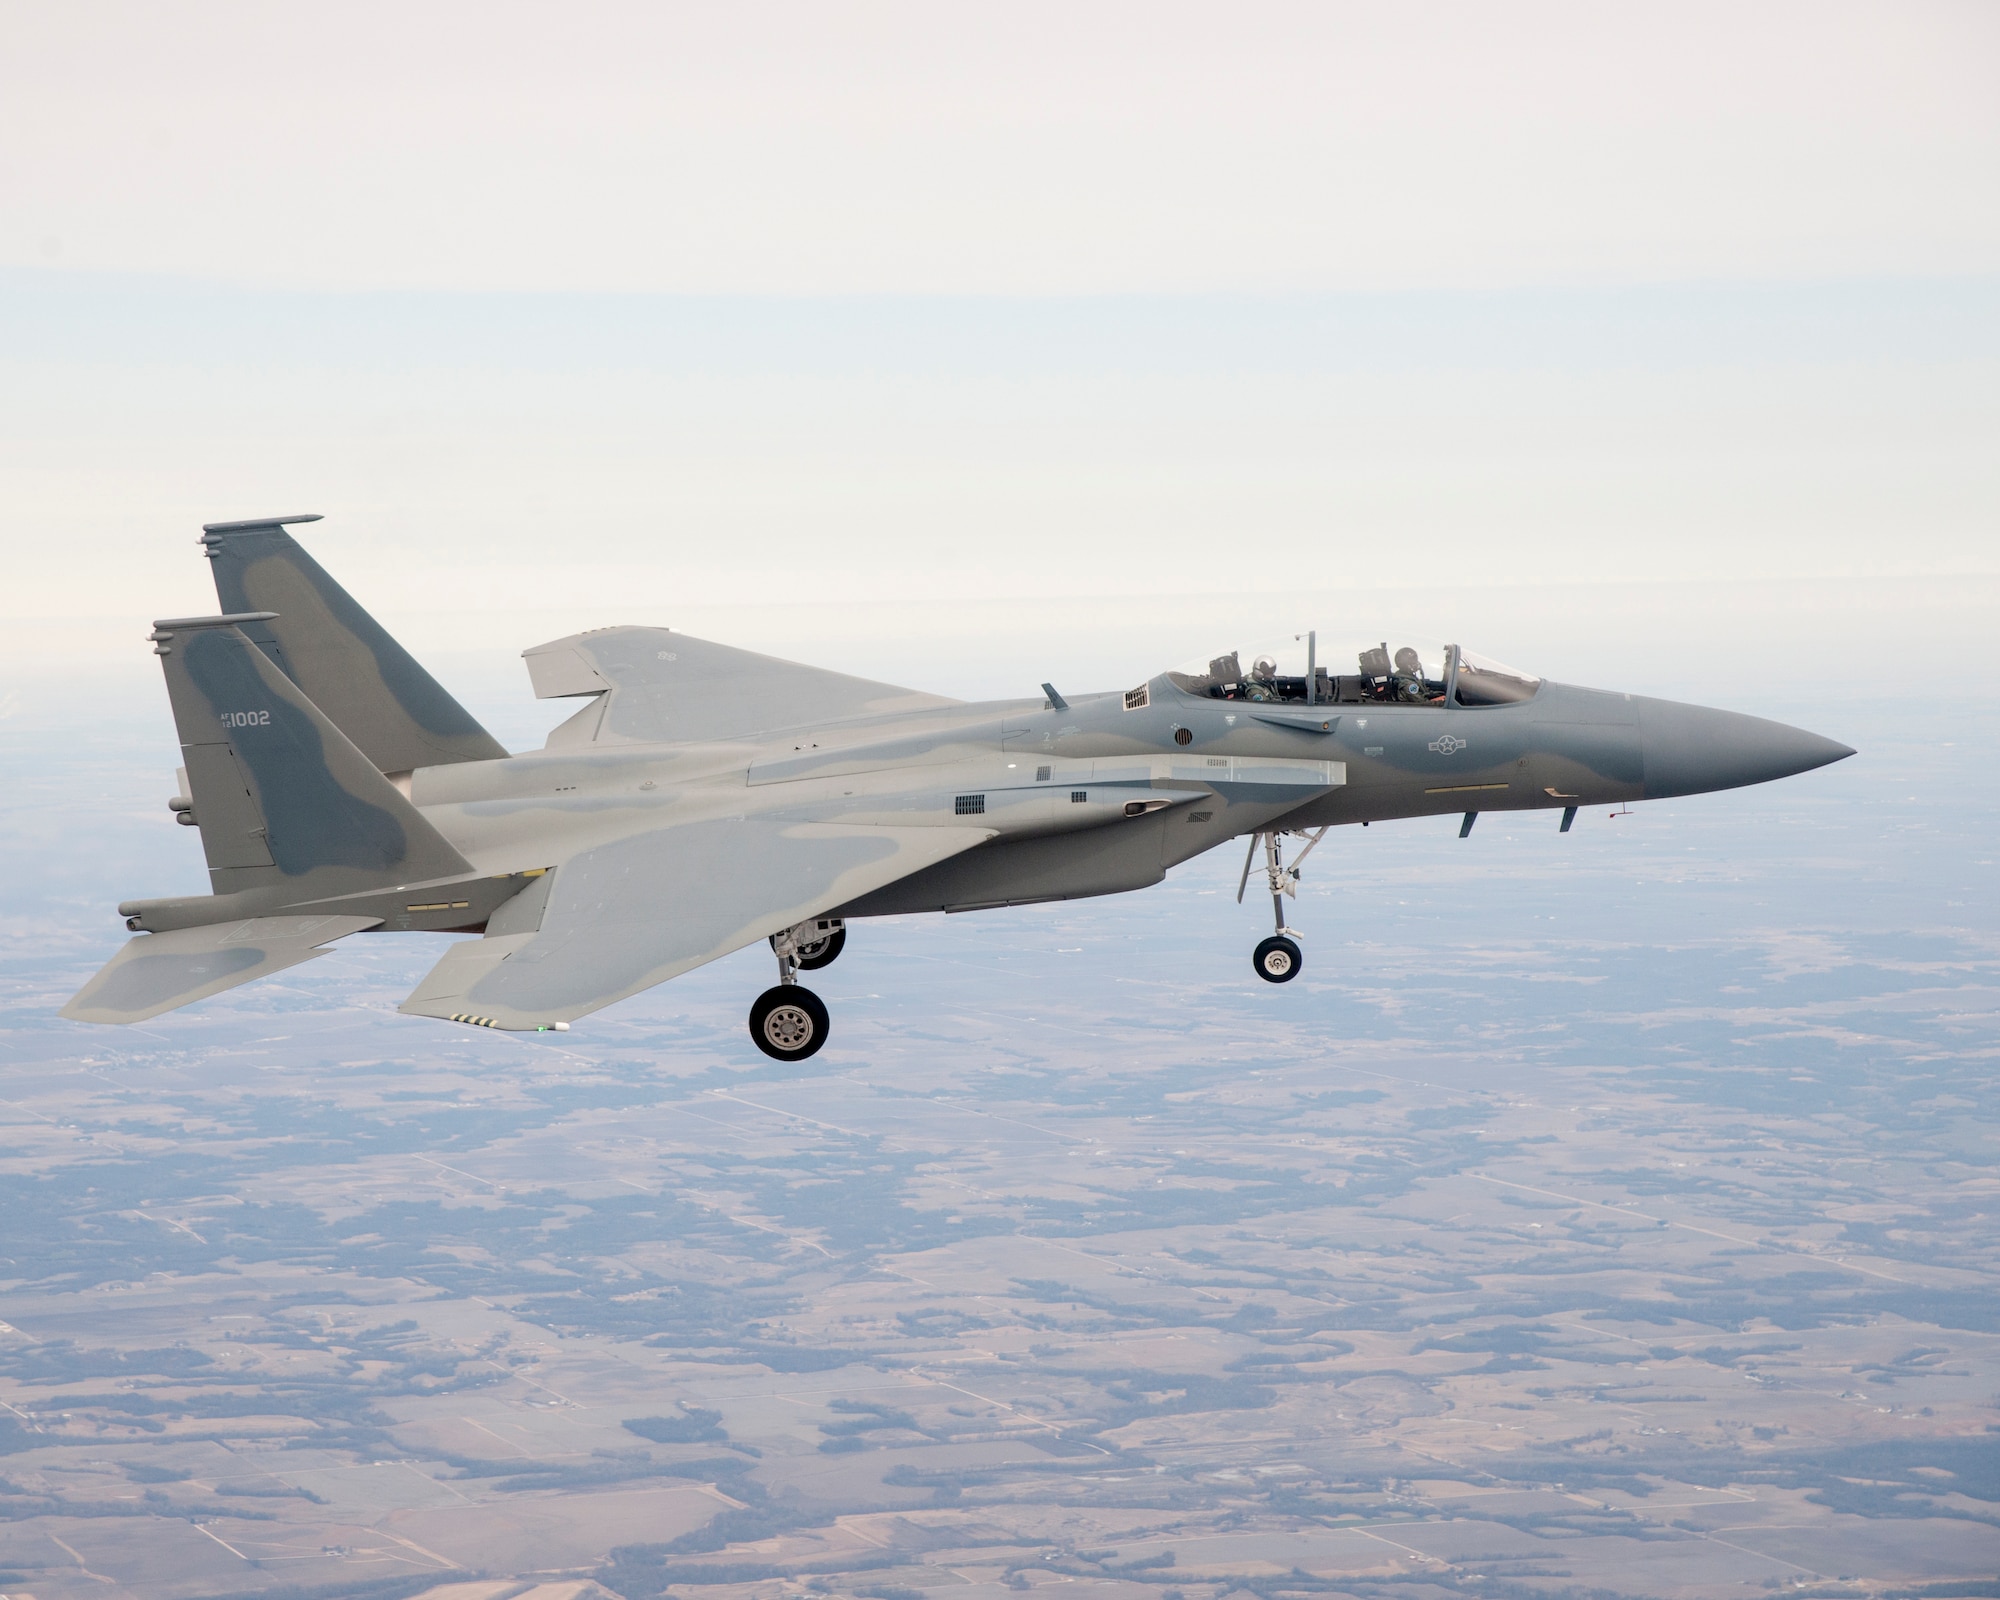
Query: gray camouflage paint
[342, 658]
[310, 819]
[326, 819]
[635, 702]
[705, 796]
[162, 971]
[611, 897]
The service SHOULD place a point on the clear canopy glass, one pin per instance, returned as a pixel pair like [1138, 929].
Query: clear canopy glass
[1482, 681]
[1307, 668]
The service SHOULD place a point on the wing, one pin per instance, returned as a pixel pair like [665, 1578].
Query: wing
[637, 912]
[652, 686]
[159, 971]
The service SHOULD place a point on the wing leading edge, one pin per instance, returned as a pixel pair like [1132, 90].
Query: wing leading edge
[634, 913]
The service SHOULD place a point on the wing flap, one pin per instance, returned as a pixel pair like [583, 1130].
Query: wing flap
[634, 913]
[446, 987]
[159, 972]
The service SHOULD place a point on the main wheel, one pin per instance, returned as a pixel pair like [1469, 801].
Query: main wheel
[788, 1023]
[1277, 959]
[822, 952]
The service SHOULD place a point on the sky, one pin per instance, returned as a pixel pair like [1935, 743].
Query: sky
[1025, 148]
[928, 339]
[977, 346]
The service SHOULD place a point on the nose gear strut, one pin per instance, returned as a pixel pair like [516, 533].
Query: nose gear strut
[1278, 958]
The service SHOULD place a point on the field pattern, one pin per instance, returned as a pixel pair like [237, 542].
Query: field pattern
[1610, 1214]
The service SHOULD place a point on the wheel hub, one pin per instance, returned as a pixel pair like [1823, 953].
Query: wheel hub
[788, 1027]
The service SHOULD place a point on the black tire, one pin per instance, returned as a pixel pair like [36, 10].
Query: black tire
[819, 953]
[1277, 959]
[788, 1023]
[822, 952]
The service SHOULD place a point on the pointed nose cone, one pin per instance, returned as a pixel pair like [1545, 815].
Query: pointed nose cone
[1692, 749]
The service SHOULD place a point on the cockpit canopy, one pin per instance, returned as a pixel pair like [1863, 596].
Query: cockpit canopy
[1299, 670]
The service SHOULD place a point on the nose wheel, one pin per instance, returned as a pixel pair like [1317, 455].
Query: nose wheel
[1279, 958]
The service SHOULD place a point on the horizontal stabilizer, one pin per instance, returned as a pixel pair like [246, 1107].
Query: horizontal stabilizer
[641, 910]
[162, 971]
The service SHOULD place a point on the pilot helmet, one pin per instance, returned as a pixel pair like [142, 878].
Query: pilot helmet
[1264, 668]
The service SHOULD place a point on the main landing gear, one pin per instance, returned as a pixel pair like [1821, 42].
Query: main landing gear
[1278, 958]
[816, 944]
[789, 1023]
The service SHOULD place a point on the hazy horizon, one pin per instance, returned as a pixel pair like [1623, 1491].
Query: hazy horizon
[1601, 1213]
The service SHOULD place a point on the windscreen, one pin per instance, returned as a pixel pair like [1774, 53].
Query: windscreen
[1485, 682]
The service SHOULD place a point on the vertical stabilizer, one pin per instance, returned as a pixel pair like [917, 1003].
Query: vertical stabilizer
[371, 688]
[282, 798]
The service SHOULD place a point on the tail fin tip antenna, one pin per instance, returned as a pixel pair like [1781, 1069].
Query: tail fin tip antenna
[260, 522]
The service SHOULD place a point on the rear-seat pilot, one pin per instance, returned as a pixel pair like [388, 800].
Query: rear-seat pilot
[1410, 684]
[1258, 686]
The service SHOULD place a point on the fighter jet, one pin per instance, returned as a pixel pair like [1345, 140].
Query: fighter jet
[703, 798]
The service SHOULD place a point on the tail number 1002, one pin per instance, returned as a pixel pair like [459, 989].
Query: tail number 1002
[245, 719]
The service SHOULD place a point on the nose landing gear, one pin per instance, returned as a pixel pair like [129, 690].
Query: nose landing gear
[1278, 958]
